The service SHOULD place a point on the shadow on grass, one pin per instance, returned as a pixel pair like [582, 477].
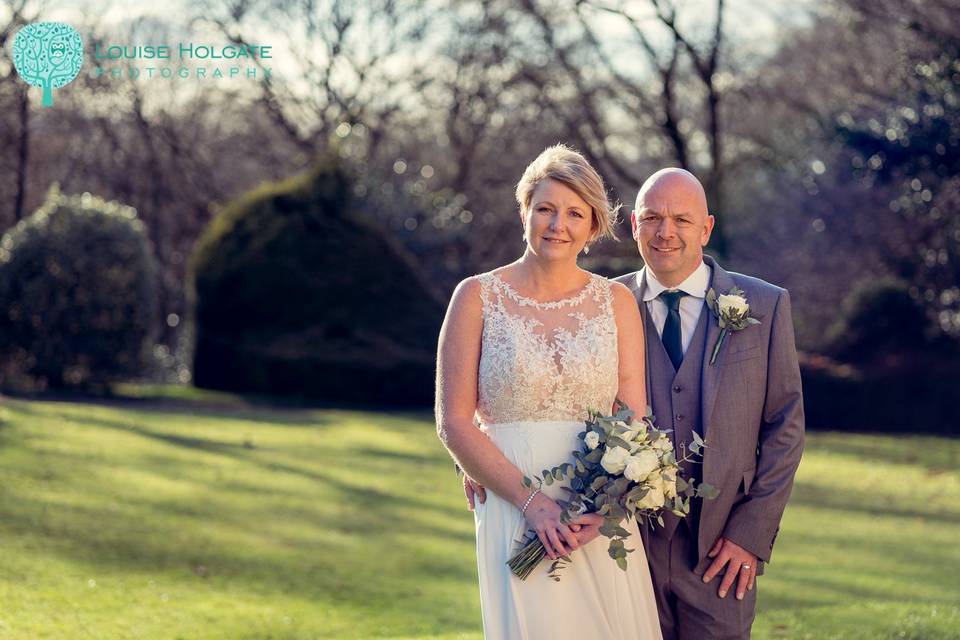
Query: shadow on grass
[352, 547]
[403, 456]
[270, 461]
[5, 430]
[906, 449]
[280, 410]
[375, 551]
[798, 592]
[863, 502]
[275, 416]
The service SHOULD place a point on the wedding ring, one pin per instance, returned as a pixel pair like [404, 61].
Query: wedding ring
[745, 566]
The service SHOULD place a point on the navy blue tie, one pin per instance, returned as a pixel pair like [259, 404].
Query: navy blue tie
[671, 328]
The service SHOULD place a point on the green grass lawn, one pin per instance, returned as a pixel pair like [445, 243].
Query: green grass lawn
[211, 518]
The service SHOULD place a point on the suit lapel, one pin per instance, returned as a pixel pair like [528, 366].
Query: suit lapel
[720, 282]
[638, 285]
[639, 288]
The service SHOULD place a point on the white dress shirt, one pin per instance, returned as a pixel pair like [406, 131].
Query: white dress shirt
[691, 305]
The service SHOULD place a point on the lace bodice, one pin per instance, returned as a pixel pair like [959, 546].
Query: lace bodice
[546, 361]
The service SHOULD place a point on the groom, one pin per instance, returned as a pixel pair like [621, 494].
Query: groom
[747, 404]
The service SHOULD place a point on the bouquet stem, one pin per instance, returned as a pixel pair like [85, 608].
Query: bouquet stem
[524, 561]
[716, 347]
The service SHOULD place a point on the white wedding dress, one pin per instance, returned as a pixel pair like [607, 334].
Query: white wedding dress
[542, 366]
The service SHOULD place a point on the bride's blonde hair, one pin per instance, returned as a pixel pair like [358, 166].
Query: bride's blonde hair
[569, 167]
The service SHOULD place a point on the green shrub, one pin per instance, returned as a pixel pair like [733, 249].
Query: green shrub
[78, 292]
[880, 319]
[296, 292]
[918, 397]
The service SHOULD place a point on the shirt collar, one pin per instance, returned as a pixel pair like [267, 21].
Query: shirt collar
[695, 285]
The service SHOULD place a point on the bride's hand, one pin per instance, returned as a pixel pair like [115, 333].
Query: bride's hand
[586, 527]
[543, 516]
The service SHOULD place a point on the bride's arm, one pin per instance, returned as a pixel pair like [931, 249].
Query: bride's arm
[630, 349]
[458, 361]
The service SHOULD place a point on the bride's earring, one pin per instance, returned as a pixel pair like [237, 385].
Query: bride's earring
[586, 249]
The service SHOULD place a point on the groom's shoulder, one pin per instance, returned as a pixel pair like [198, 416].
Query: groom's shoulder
[757, 290]
[630, 280]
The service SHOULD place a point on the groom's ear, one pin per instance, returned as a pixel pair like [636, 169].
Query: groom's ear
[633, 223]
[708, 229]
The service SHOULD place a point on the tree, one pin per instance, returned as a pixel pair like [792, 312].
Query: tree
[854, 128]
[15, 93]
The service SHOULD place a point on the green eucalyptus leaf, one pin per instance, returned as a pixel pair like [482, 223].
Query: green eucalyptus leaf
[707, 491]
[618, 487]
[599, 482]
[616, 441]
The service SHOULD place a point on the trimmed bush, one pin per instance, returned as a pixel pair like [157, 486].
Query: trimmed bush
[297, 292]
[880, 319]
[78, 293]
[919, 397]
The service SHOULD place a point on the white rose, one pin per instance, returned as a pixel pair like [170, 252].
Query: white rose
[592, 439]
[640, 466]
[636, 437]
[735, 304]
[632, 439]
[663, 443]
[670, 484]
[653, 499]
[670, 488]
[614, 460]
[667, 484]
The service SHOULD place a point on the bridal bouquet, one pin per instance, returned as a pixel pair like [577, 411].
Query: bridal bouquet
[620, 471]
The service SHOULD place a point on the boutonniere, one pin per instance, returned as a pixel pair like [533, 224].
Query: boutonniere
[732, 313]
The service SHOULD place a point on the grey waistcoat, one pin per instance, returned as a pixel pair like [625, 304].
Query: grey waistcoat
[675, 399]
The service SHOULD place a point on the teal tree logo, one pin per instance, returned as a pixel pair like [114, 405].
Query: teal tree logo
[48, 55]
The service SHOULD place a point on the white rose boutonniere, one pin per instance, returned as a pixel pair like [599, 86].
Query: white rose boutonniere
[732, 313]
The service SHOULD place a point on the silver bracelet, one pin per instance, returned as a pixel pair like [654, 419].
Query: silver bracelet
[523, 509]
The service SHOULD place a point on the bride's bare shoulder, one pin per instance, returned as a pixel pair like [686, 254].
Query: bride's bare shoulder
[624, 302]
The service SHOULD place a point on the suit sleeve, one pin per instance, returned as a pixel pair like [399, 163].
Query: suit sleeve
[754, 522]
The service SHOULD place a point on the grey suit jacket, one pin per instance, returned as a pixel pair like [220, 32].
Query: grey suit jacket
[752, 413]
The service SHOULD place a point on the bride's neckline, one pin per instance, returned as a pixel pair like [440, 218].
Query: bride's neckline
[552, 304]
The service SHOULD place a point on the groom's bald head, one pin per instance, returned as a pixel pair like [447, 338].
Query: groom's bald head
[671, 224]
[673, 189]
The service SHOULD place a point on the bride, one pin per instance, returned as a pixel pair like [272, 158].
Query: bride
[525, 350]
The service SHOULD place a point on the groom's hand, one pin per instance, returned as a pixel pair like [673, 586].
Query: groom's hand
[473, 491]
[741, 566]
[586, 527]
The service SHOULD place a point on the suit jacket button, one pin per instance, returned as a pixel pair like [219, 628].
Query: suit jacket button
[679, 416]
[677, 389]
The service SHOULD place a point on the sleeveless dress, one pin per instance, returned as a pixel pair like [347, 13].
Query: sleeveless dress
[542, 365]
